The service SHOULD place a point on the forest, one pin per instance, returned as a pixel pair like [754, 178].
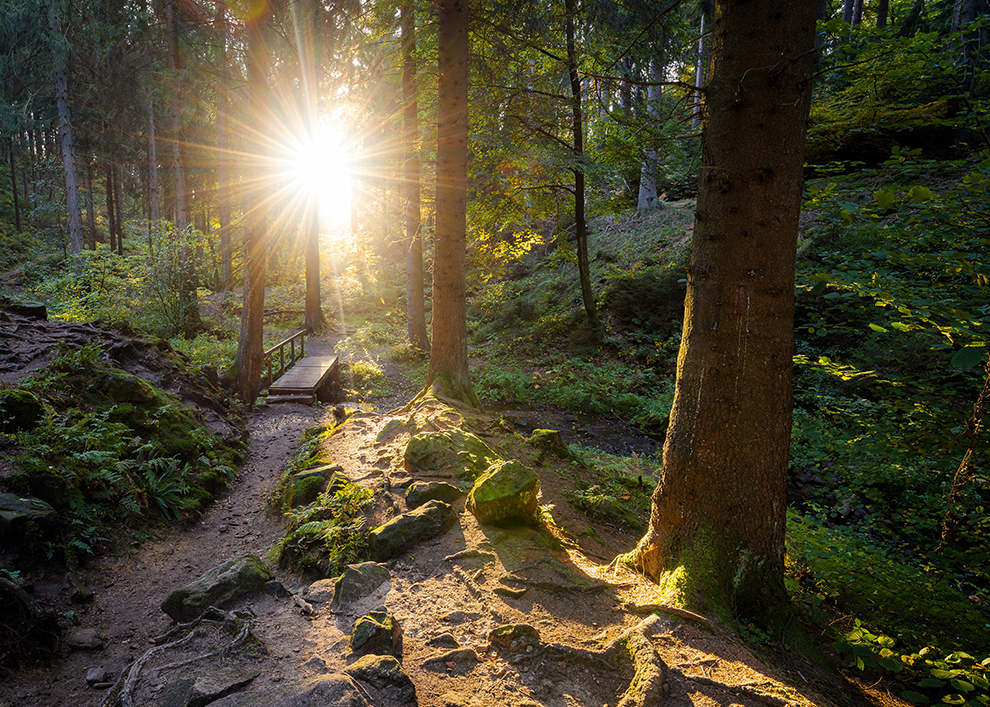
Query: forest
[527, 209]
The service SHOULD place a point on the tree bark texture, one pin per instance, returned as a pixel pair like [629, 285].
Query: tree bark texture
[577, 132]
[448, 374]
[250, 346]
[118, 205]
[223, 162]
[716, 535]
[415, 295]
[91, 207]
[111, 212]
[65, 132]
[154, 208]
[648, 171]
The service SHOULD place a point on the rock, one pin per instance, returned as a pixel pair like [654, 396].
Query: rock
[404, 531]
[306, 486]
[276, 589]
[506, 493]
[465, 453]
[444, 640]
[122, 387]
[95, 675]
[420, 492]
[357, 582]
[220, 587]
[462, 658]
[316, 664]
[333, 690]
[84, 639]
[20, 410]
[320, 591]
[206, 685]
[384, 673]
[508, 634]
[550, 442]
[17, 513]
[79, 593]
[28, 310]
[377, 632]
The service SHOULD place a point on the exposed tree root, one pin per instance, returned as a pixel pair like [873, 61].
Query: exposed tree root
[744, 691]
[123, 692]
[648, 685]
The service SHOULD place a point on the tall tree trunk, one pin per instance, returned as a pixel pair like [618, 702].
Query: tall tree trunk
[91, 211]
[250, 344]
[13, 185]
[699, 73]
[857, 17]
[314, 319]
[118, 204]
[154, 209]
[191, 322]
[847, 11]
[648, 172]
[415, 297]
[716, 536]
[577, 131]
[223, 163]
[65, 132]
[883, 8]
[111, 211]
[448, 374]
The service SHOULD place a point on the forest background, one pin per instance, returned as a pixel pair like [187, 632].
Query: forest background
[141, 156]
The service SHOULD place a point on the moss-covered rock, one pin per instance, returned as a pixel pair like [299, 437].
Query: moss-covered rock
[220, 587]
[305, 486]
[20, 410]
[506, 493]
[549, 442]
[17, 514]
[384, 673]
[378, 633]
[420, 492]
[123, 387]
[357, 582]
[462, 452]
[404, 531]
[508, 634]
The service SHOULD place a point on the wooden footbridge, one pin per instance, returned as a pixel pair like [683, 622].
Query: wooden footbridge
[291, 375]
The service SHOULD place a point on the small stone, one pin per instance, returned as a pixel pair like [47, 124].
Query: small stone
[84, 639]
[95, 675]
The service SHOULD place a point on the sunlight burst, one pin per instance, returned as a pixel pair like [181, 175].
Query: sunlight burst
[321, 167]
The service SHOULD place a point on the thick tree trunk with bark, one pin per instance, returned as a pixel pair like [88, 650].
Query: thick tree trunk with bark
[223, 160]
[65, 132]
[577, 132]
[250, 345]
[415, 296]
[716, 536]
[118, 204]
[448, 374]
[91, 207]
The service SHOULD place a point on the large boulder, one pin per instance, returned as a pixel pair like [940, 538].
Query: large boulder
[384, 673]
[463, 453]
[420, 492]
[20, 410]
[221, 587]
[377, 633]
[333, 690]
[357, 582]
[17, 514]
[404, 531]
[506, 493]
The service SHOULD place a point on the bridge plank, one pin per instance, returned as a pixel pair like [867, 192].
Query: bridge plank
[305, 377]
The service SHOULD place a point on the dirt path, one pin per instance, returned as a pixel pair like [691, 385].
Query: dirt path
[129, 588]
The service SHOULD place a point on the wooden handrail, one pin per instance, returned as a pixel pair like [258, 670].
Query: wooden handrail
[267, 361]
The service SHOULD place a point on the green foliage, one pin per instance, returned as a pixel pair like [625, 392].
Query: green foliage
[106, 463]
[617, 489]
[328, 534]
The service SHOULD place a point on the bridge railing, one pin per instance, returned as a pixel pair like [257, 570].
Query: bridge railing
[274, 362]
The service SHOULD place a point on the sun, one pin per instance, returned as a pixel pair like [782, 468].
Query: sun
[321, 167]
